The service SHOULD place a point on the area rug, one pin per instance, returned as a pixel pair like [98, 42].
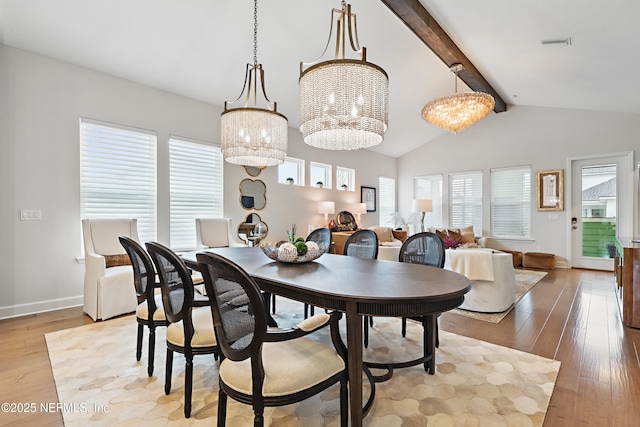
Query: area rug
[525, 281]
[100, 383]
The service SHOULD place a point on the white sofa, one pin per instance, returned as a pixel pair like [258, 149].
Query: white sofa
[108, 276]
[493, 282]
[389, 243]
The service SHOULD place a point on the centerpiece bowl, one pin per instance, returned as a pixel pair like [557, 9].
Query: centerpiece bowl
[288, 253]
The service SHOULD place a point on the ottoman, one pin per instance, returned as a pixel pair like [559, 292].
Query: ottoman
[539, 260]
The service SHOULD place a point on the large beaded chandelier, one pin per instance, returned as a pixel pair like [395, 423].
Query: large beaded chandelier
[251, 135]
[454, 113]
[344, 103]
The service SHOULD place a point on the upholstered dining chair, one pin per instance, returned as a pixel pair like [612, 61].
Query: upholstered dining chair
[216, 233]
[190, 331]
[321, 236]
[150, 311]
[108, 276]
[264, 367]
[423, 248]
[363, 244]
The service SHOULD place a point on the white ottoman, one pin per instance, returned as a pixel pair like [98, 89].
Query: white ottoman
[496, 295]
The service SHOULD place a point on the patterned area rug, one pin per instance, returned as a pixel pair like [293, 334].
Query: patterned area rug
[525, 281]
[476, 383]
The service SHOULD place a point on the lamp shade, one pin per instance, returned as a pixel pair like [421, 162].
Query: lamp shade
[327, 207]
[359, 208]
[422, 205]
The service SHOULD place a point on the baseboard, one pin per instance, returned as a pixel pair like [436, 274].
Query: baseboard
[40, 307]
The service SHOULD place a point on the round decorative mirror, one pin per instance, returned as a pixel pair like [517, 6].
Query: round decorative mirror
[253, 194]
[252, 229]
[252, 170]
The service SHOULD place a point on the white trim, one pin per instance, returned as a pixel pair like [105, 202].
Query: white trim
[19, 310]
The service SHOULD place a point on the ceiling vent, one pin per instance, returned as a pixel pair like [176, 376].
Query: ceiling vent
[565, 41]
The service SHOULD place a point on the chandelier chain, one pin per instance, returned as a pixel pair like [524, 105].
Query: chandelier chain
[255, 32]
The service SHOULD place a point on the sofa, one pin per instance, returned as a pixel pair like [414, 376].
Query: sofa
[390, 241]
[493, 282]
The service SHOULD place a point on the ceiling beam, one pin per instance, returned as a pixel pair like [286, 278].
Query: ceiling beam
[420, 21]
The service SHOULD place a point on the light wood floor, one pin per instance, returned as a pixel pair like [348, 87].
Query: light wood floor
[571, 316]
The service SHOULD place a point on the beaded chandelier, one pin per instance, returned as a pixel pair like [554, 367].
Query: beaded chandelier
[250, 135]
[344, 103]
[456, 112]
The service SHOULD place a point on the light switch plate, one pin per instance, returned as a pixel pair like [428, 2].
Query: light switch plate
[30, 214]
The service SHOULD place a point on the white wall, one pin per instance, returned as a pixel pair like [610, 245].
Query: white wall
[544, 138]
[41, 101]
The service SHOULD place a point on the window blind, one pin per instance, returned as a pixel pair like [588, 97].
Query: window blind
[196, 188]
[511, 202]
[387, 200]
[430, 187]
[465, 200]
[118, 174]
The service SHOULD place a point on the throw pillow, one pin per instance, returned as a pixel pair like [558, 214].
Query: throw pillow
[384, 233]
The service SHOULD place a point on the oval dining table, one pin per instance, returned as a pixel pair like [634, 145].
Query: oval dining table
[357, 287]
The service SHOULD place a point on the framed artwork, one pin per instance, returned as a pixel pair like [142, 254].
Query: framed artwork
[368, 197]
[550, 186]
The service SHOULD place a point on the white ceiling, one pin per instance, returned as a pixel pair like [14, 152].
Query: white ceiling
[199, 49]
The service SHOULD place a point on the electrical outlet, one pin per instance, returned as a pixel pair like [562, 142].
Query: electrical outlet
[30, 214]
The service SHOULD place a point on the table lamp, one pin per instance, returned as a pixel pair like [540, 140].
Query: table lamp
[326, 208]
[359, 209]
[422, 206]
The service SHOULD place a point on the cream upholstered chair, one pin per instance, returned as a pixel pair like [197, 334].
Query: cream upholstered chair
[216, 233]
[265, 367]
[108, 278]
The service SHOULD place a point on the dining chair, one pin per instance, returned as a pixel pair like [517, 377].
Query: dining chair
[320, 236]
[216, 233]
[150, 311]
[190, 331]
[268, 367]
[363, 244]
[428, 249]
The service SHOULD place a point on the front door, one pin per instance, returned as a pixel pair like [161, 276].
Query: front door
[598, 213]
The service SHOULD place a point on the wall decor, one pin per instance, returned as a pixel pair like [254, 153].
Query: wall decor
[253, 194]
[550, 185]
[368, 197]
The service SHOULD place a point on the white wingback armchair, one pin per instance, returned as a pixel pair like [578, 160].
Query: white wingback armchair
[216, 233]
[108, 279]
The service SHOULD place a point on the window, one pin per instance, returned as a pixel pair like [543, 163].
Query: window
[118, 174]
[387, 199]
[291, 171]
[511, 202]
[465, 200]
[430, 187]
[320, 175]
[196, 188]
[345, 179]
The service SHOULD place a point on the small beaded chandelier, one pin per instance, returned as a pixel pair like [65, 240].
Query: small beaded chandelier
[250, 135]
[455, 113]
[344, 103]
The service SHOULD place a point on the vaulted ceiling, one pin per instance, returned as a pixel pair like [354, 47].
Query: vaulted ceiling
[199, 49]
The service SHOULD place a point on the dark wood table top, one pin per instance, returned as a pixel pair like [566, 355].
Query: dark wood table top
[333, 280]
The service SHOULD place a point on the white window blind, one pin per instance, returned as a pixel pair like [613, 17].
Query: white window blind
[118, 174]
[387, 188]
[511, 202]
[196, 188]
[465, 200]
[430, 187]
